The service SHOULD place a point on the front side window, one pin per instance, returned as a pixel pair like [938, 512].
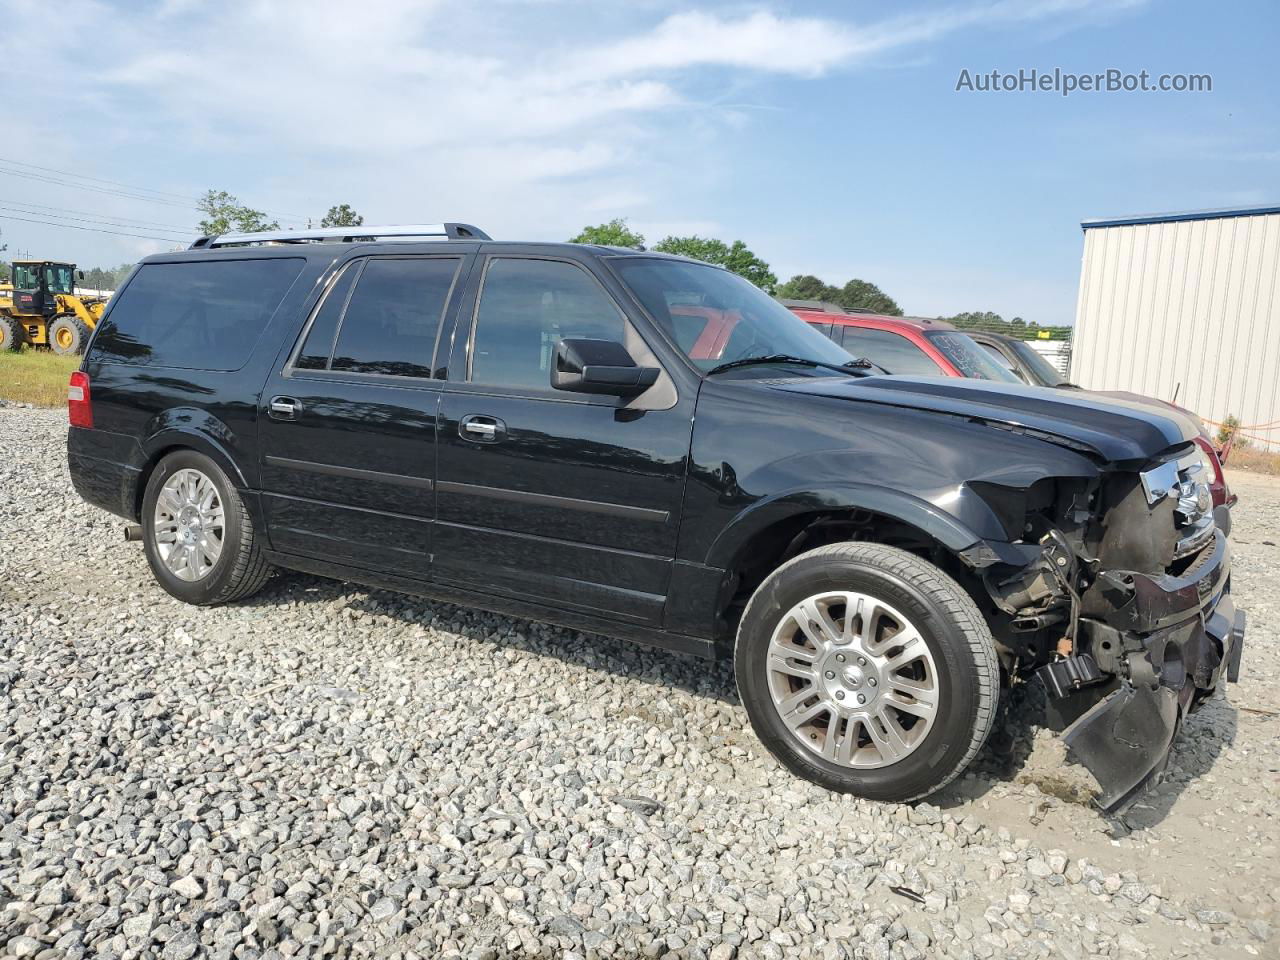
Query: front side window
[890, 351]
[526, 307]
[715, 316]
[195, 314]
[60, 278]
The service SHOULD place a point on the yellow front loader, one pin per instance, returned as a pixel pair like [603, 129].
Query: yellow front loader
[40, 306]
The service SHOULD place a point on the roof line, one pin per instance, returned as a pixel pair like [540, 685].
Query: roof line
[1146, 218]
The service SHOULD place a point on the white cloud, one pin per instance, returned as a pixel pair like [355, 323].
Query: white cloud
[418, 109]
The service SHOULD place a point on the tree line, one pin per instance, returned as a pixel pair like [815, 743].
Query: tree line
[855, 296]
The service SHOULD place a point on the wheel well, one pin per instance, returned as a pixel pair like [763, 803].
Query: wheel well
[144, 476]
[775, 545]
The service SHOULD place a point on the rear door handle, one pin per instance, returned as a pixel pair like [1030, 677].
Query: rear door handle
[481, 429]
[284, 408]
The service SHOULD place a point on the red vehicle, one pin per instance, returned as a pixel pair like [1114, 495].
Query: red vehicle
[917, 347]
[934, 348]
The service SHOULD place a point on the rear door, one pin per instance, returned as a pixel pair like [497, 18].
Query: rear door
[348, 420]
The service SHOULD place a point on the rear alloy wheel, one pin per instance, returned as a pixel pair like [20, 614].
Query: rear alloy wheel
[868, 670]
[10, 334]
[68, 335]
[199, 538]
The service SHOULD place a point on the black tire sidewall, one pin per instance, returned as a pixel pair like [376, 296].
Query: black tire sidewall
[81, 331]
[10, 334]
[946, 744]
[219, 582]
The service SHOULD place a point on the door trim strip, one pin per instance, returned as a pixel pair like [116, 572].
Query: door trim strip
[351, 473]
[549, 500]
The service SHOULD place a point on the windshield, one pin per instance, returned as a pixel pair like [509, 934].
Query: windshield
[60, 280]
[967, 357]
[715, 316]
[1042, 371]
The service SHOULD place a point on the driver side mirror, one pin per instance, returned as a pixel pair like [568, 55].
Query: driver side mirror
[601, 367]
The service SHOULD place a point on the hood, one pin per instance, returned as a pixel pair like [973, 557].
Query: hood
[1109, 427]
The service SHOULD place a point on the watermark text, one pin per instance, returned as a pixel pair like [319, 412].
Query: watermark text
[1066, 83]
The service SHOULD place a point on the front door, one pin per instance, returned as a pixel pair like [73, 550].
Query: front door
[348, 424]
[545, 495]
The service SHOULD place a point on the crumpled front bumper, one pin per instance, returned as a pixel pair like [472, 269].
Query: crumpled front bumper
[1163, 644]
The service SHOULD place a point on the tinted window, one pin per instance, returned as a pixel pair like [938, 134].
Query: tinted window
[823, 328]
[891, 351]
[203, 314]
[315, 352]
[391, 320]
[526, 307]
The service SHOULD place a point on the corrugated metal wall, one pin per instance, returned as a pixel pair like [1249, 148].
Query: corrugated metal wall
[1191, 306]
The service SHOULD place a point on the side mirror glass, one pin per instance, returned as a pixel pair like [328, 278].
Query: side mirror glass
[599, 366]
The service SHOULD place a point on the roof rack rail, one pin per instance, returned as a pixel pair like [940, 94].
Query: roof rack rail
[408, 232]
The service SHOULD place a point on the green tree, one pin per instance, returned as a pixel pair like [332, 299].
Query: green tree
[861, 295]
[737, 258]
[342, 216]
[805, 286]
[615, 233]
[225, 214]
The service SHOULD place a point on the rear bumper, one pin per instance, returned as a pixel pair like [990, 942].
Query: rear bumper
[1162, 644]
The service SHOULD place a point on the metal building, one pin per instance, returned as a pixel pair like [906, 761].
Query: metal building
[1185, 307]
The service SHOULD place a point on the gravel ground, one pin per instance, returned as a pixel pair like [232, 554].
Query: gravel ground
[332, 771]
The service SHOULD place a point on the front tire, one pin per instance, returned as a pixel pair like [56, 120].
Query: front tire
[199, 539]
[867, 670]
[68, 335]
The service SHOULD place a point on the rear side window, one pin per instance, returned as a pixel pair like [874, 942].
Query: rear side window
[893, 352]
[201, 315]
[387, 325]
[318, 347]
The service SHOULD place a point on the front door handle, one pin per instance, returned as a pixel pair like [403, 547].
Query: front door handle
[481, 429]
[284, 408]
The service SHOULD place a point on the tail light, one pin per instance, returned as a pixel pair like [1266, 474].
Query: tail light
[79, 406]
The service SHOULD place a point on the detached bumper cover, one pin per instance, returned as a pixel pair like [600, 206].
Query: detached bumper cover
[1168, 642]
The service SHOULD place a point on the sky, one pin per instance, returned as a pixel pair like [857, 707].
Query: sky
[828, 136]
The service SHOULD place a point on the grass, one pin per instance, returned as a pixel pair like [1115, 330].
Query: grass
[1257, 461]
[35, 376]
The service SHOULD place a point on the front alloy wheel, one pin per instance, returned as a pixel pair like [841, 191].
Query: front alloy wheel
[867, 670]
[852, 679]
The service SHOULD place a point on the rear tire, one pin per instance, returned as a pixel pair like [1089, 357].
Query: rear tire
[11, 334]
[173, 520]
[68, 335]
[867, 670]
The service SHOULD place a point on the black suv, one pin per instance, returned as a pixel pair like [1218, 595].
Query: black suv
[651, 448]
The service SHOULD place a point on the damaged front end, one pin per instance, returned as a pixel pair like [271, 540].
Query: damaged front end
[1123, 612]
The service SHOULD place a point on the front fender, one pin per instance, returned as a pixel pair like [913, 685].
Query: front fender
[940, 524]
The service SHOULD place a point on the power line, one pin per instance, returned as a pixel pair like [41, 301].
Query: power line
[95, 220]
[119, 189]
[72, 226]
[118, 221]
[82, 176]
